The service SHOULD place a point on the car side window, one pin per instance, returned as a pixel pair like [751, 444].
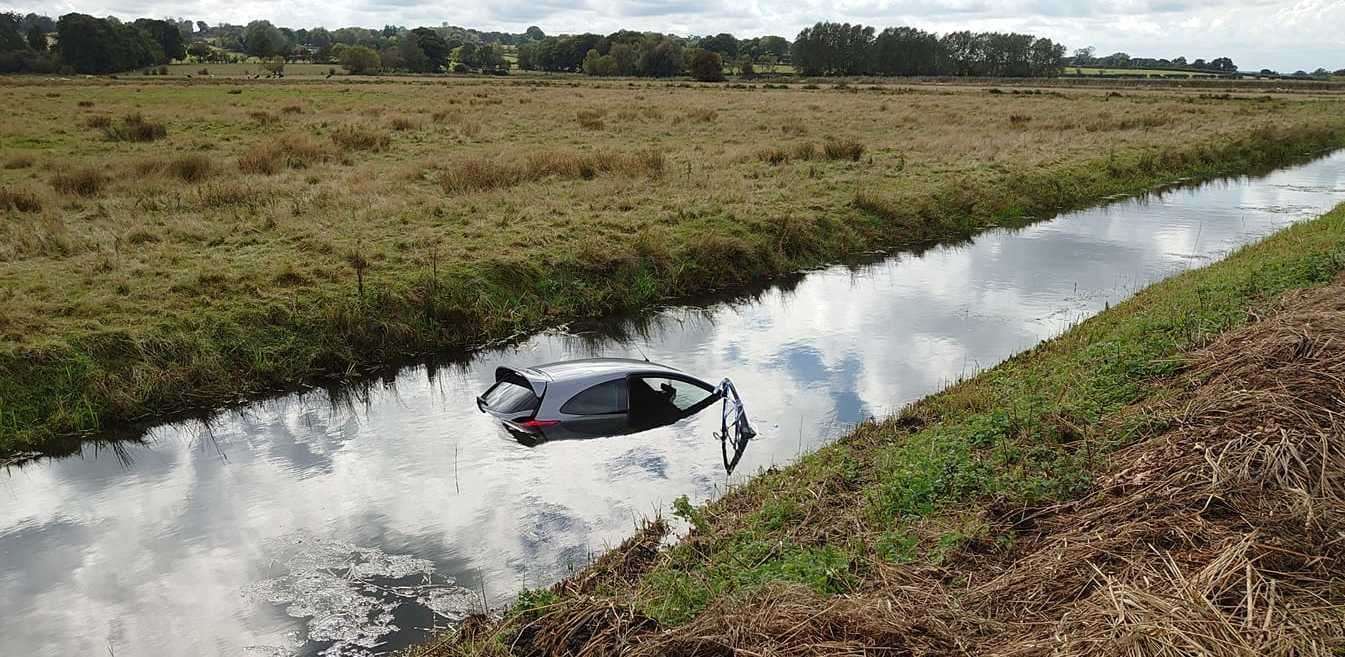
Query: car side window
[602, 399]
[650, 393]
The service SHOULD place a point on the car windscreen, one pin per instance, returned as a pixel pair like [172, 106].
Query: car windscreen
[509, 397]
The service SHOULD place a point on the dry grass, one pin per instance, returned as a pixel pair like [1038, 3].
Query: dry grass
[20, 200]
[83, 181]
[403, 123]
[339, 175]
[843, 149]
[481, 175]
[590, 119]
[293, 151]
[361, 138]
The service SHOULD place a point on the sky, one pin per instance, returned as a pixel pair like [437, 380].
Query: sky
[1284, 35]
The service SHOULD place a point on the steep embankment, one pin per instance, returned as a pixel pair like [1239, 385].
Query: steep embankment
[1168, 478]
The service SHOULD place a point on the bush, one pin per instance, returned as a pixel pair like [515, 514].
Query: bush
[359, 138]
[705, 66]
[843, 149]
[136, 128]
[405, 123]
[85, 181]
[20, 200]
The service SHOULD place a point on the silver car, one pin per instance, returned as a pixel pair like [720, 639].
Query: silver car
[593, 397]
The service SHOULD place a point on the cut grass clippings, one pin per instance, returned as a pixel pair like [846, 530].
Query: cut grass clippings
[1167, 473]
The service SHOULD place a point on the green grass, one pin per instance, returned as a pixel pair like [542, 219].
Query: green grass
[1022, 435]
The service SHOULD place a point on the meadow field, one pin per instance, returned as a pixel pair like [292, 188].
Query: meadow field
[168, 245]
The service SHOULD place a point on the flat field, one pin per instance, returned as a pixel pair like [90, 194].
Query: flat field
[168, 245]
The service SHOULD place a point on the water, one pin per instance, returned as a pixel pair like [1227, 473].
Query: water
[305, 525]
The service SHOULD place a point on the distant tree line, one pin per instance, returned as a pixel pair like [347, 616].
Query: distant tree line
[81, 43]
[845, 49]
[1087, 57]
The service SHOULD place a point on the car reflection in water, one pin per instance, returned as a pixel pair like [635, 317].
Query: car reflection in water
[601, 397]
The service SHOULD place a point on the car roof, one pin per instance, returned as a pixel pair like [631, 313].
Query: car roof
[587, 367]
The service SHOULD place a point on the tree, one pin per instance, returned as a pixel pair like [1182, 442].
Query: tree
[534, 33]
[96, 45]
[725, 44]
[358, 59]
[595, 64]
[1223, 64]
[527, 57]
[705, 65]
[1084, 56]
[466, 54]
[262, 39]
[833, 49]
[200, 50]
[624, 58]
[907, 51]
[166, 35]
[37, 40]
[436, 49]
[661, 60]
[10, 38]
[412, 55]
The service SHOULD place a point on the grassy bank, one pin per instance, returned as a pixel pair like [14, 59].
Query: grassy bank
[1159, 477]
[167, 247]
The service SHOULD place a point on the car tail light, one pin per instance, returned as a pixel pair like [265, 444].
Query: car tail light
[537, 424]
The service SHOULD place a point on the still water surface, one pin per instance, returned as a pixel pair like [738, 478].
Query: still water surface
[307, 526]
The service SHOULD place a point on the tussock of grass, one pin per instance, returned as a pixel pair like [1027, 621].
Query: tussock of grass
[19, 162]
[135, 127]
[292, 109]
[191, 168]
[590, 119]
[843, 149]
[20, 200]
[98, 121]
[228, 194]
[83, 181]
[264, 118]
[481, 174]
[288, 152]
[402, 123]
[361, 138]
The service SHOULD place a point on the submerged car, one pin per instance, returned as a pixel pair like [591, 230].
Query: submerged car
[596, 397]
[593, 397]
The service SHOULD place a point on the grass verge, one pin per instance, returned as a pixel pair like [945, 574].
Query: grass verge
[1165, 474]
[99, 377]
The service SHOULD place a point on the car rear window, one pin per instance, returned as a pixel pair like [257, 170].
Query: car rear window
[602, 399]
[510, 397]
